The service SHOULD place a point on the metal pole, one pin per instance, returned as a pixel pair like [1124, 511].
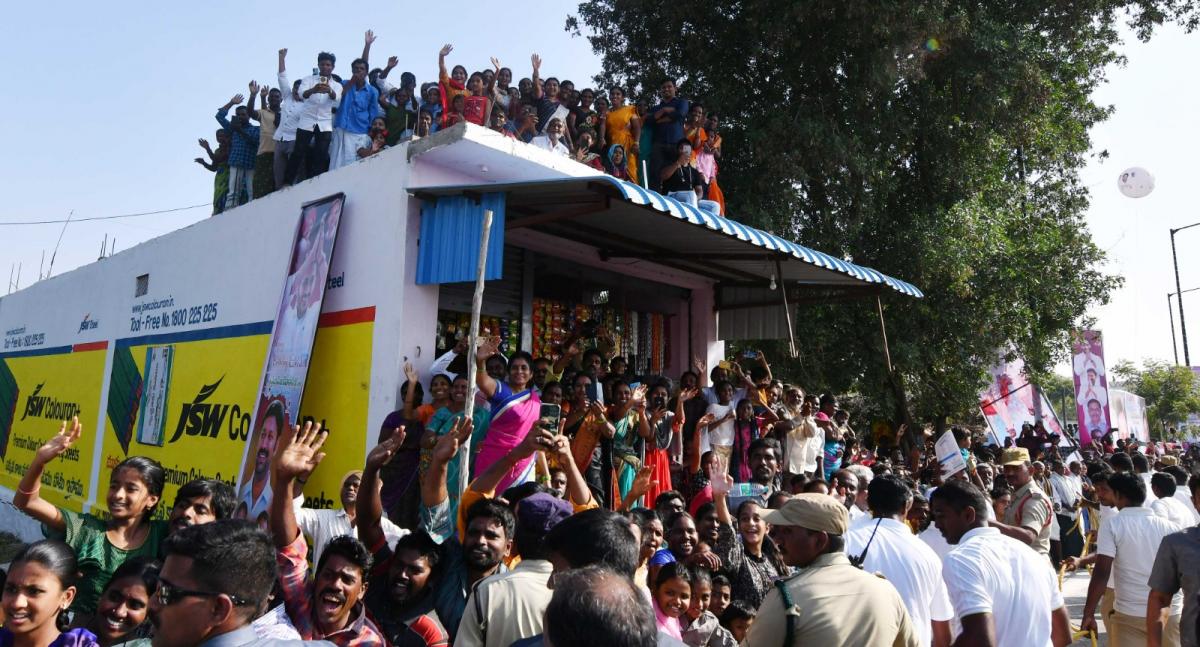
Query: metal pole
[1171, 316]
[1187, 359]
[464, 451]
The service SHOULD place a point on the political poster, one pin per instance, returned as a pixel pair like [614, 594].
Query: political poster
[1091, 386]
[1010, 400]
[1128, 413]
[289, 355]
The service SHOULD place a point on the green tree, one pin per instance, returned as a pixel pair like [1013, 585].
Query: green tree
[939, 141]
[1172, 393]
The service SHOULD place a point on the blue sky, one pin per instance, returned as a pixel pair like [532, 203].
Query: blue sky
[119, 94]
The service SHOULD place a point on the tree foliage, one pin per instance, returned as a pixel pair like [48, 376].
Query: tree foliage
[1172, 393]
[939, 141]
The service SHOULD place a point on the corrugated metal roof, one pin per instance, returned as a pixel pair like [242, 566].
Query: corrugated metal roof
[628, 229]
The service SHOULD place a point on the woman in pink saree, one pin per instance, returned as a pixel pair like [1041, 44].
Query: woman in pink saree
[515, 408]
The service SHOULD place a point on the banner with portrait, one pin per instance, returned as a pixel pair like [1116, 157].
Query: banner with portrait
[1091, 386]
[290, 352]
[1010, 401]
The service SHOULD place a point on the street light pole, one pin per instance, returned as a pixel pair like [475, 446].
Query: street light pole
[1171, 315]
[1187, 358]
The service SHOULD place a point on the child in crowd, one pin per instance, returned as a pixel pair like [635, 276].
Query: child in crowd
[672, 596]
[737, 618]
[745, 431]
[476, 104]
[700, 627]
[134, 489]
[378, 134]
[722, 594]
[720, 427]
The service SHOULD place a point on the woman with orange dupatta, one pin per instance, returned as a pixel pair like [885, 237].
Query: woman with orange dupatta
[624, 128]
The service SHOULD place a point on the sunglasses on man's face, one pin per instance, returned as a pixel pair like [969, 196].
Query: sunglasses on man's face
[168, 594]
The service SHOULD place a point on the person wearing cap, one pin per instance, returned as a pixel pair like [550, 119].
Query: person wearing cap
[829, 601]
[509, 606]
[1028, 518]
[1001, 590]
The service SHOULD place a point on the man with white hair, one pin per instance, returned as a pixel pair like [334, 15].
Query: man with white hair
[862, 515]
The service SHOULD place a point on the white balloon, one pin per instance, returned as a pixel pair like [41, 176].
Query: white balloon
[1135, 182]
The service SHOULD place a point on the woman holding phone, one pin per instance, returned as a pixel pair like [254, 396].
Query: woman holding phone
[515, 409]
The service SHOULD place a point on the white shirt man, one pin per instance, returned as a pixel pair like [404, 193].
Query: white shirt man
[323, 525]
[990, 573]
[1173, 510]
[1125, 550]
[909, 565]
[317, 109]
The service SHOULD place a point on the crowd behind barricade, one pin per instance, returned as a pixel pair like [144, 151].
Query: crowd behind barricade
[309, 124]
[603, 508]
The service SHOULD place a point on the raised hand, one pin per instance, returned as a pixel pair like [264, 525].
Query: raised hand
[446, 49]
[538, 439]
[253, 88]
[705, 420]
[639, 395]
[237, 99]
[264, 92]
[298, 451]
[488, 346]
[369, 37]
[283, 52]
[410, 373]
[58, 444]
[642, 482]
[203, 143]
[688, 394]
[496, 64]
[199, 160]
[597, 409]
[537, 62]
[393, 61]
[447, 445]
[383, 453]
[722, 482]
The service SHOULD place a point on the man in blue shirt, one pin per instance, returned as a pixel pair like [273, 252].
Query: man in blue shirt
[667, 119]
[242, 153]
[359, 107]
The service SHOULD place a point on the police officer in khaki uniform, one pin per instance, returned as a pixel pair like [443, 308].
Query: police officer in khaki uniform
[1028, 517]
[829, 601]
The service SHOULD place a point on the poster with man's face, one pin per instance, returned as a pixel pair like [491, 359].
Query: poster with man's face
[1091, 385]
[292, 339]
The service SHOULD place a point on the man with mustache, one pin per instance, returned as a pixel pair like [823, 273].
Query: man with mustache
[329, 605]
[404, 578]
[257, 492]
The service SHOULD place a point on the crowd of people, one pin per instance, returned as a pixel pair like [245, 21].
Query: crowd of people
[318, 122]
[602, 508]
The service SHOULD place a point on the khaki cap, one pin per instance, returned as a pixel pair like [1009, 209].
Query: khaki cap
[1014, 456]
[813, 511]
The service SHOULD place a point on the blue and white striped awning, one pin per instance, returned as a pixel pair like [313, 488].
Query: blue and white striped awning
[638, 195]
[617, 221]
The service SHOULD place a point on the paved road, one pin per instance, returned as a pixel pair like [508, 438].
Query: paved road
[1075, 591]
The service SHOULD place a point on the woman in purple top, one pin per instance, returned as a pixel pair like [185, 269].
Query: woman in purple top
[515, 408]
[40, 587]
